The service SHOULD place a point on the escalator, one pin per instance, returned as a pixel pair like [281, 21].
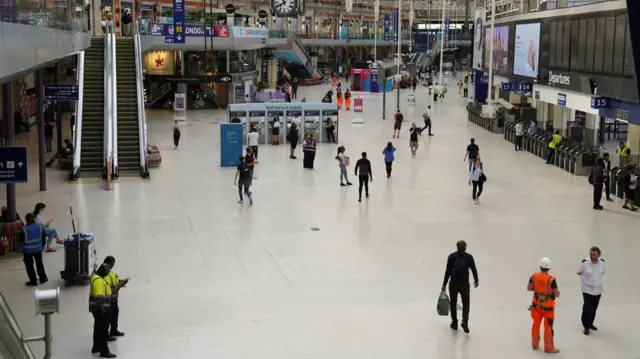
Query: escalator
[92, 155]
[128, 128]
[297, 61]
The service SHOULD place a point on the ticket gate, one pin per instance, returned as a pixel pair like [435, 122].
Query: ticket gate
[510, 131]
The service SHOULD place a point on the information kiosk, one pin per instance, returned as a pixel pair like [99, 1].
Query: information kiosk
[261, 115]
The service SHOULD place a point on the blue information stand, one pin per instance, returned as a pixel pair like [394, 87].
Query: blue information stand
[13, 165]
[230, 144]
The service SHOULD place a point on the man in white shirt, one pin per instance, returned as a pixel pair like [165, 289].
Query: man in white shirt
[591, 271]
[426, 116]
[252, 140]
[519, 134]
[297, 121]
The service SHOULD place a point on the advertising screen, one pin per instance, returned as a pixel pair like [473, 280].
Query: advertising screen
[500, 48]
[526, 54]
[478, 38]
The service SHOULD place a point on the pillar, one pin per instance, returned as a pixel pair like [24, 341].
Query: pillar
[633, 138]
[591, 129]
[557, 117]
[7, 100]
[96, 18]
[58, 108]
[42, 159]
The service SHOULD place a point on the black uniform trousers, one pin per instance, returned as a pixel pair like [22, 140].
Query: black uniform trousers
[464, 289]
[114, 313]
[607, 187]
[363, 181]
[28, 264]
[597, 194]
[101, 331]
[589, 309]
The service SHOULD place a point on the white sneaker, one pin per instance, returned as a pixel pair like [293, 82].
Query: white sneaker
[475, 201]
[240, 202]
[250, 201]
[478, 200]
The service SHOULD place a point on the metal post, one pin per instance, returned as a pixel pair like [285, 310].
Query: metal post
[47, 337]
[399, 31]
[58, 109]
[444, 4]
[42, 160]
[493, 23]
[384, 93]
[375, 38]
[228, 62]
[7, 98]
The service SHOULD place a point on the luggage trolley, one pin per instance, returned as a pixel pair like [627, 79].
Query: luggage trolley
[80, 257]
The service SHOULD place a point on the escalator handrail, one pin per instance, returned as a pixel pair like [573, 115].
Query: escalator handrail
[142, 120]
[77, 127]
[107, 143]
[114, 105]
[14, 331]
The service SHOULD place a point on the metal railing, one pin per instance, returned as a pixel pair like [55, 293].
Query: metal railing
[114, 105]
[72, 15]
[330, 35]
[77, 126]
[108, 103]
[11, 342]
[142, 119]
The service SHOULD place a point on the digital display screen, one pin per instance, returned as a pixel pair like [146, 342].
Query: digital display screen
[500, 48]
[526, 50]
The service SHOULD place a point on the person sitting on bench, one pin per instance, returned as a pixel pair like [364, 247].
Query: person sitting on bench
[67, 153]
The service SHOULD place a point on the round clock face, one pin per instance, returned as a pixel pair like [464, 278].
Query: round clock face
[284, 7]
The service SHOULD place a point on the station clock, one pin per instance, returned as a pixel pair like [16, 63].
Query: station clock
[285, 7]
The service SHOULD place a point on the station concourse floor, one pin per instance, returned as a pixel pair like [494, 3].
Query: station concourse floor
[215, 279]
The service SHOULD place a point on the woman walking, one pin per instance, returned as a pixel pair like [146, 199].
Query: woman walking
[176, 135]
[413, 139]
[477, 180]
[330, 127]
[309, 151]
[343, 160]
[389, 157]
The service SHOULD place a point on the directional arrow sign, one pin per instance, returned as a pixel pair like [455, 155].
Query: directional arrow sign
[13, 165]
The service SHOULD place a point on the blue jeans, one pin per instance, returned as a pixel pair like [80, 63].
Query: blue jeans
[51, 234]
[343, 173]
[48, 141]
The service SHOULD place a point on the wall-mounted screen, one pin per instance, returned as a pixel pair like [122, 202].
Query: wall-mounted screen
[526, 50]
[500, 48]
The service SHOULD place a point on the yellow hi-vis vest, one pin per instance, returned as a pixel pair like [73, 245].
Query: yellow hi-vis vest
[114, 283]
[554, 141]
[99, 292]
[622, 151]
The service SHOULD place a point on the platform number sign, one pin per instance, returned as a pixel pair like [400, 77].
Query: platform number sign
[599, 102]
[178, 21]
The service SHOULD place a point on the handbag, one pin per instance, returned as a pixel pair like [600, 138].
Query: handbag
[443, 304]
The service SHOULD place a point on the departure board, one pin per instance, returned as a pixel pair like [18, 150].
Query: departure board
[574, 47]
[582, 39]
[566, 46]
[554, 48]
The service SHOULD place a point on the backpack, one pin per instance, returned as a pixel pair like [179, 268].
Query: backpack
[460, 267]
[590, 179]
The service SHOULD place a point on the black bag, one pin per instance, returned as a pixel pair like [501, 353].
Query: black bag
[460, 267]
[590, 179]
[483, 178]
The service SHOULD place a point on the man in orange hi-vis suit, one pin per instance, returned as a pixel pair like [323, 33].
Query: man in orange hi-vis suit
[335, 79]
[347, 98]
[339, 99]
[545, 291]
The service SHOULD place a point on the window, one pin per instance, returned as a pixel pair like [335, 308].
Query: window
[582, 39]
[574, 45]
[566, 46]
[618, 49]
[629, 64]
[590, 44]
[599, 45]
[609, 37]
[555, 49]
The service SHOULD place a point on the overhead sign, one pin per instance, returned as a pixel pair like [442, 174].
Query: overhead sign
[191, 30]
[178, 21]
[13, 165]
[524, 87]
[224, 78]
[61, 92]
[386, 28]
[562, 99]
[599, 102]
[255, 32]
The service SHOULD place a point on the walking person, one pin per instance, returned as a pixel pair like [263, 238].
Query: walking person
[309, 151]
[596, 179]
[465, 89]
[242, 179]
[389, 157]
[426, 116]
[477, 180]
[343, 160]
[252, 140]
[34, 242]
[459, 87]
[339, 98]
[251, 161]
[414, 131]
[591, 271]
[607, 176]
[330, 128]
[397, 124]
[48, 136]
[347, 99]
[363, 171]
[458, 265]
[294, 88]
[629, 183]
[519, 135]
[414, 84]
[275, 130]
[473, 153]
[545, 291]
[292, 137]
[100, 306]
[176, 135]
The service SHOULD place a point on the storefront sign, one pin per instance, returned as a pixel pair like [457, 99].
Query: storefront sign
[559, 79]
[599, 102]
[220, 78]
[190, 30]
[264, 66]
[562, 99]
[255, 32]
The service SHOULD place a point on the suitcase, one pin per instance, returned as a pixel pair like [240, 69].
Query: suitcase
[80, 258]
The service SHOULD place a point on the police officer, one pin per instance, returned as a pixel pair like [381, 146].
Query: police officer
[555, 140]
[545, 291]
[99, 305]
[115, 283]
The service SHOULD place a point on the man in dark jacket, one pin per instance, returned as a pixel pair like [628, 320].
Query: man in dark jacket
[597, 180]
[364, 175]
[458, 265]
[607, 176]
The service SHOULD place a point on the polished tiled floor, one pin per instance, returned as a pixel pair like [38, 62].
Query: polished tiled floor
[211, 278]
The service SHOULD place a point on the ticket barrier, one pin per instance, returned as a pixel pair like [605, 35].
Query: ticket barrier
[541, 143]
[616, 174]
[584, 160]
[510, 131]
[528, 142]
[562, 150]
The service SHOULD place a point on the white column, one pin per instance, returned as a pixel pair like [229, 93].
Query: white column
[444, 3]
[493, 24]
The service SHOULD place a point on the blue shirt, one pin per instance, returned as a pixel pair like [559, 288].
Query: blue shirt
[388, 154]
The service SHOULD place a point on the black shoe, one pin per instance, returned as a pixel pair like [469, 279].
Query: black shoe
[625, 207]
[592, 327]
[465, 327]
[117, 334]
[586, 331]
[112, 339]
[43, 281]
[343, 185]
[609, 199]
[349, 183]
[107, 355]
[367, 195]
[599, 208]
[431, 134]
[633, 209]
[454, 325]
[360, 199]
[32, 284]
[95, 350]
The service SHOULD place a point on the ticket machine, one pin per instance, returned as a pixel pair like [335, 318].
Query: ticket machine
[257, 120]
[288, 116]
[333, 115]
[239, 117]
[271, 114]
[311, 124]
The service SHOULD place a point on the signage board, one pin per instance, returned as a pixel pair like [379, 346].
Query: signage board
[230, 144]
[526, 51]
[250, 32]
[61, 92]
[386, 28]
[311, 113]
[220, 78]
[179, 102]
[13, 165]
[168, 30]
[178, 22]
[257, 113]
[599, 102]
[562, 99]
[478, 38]
[330, 113]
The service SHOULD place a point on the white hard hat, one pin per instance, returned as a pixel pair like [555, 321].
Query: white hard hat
[545, 263]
